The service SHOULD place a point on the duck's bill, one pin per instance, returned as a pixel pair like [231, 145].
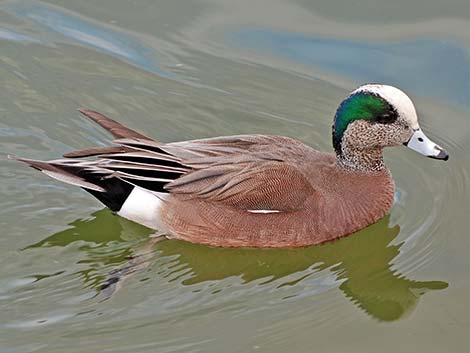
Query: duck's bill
[420, 143]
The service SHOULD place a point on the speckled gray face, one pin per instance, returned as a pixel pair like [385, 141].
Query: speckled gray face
[374, 133]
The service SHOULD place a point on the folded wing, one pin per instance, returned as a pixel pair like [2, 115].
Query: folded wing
[252, 172]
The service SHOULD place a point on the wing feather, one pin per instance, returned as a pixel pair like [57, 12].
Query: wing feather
[113, 127]
[252, 172]
[244, 174]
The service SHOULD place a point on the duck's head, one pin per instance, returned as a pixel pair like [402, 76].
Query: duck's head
[375, 116]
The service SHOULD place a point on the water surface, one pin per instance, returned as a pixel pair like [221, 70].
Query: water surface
[176, 71]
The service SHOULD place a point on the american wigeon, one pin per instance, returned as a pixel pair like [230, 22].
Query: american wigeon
[253, 190]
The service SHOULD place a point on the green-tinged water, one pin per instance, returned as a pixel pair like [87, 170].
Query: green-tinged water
[181, 70]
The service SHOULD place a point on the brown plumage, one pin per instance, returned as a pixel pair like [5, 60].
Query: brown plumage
[114, 128]
[246, 190]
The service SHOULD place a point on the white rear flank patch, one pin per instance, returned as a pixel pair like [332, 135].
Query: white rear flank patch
[143, 207]
[264, 211]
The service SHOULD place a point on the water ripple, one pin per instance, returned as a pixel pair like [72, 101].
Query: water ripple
[405, 63]
[77, 29]
[8, 34]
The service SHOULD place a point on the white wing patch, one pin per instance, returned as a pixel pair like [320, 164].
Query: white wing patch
[264, 211]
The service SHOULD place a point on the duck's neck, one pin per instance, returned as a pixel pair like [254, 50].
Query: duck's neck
[369, 160]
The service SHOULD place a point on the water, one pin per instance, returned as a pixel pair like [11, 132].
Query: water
[183, 70]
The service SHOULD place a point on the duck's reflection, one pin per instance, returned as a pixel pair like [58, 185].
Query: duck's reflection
[362, 261]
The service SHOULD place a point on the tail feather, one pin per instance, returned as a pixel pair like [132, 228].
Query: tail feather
[113, 127]
[110, 186]
[96, 151]
[111, 191]
[58, 173]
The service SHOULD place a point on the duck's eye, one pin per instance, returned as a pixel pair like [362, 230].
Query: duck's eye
[386, 118]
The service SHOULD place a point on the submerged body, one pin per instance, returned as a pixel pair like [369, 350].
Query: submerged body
[253, 190]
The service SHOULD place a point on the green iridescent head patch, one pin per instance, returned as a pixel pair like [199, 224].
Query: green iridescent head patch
[360, 106]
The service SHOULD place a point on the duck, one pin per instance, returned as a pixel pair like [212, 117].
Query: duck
[252, 190]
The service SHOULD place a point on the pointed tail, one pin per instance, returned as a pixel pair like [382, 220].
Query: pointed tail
[111, 191]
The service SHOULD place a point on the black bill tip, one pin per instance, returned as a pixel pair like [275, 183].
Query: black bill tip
[442, 155]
